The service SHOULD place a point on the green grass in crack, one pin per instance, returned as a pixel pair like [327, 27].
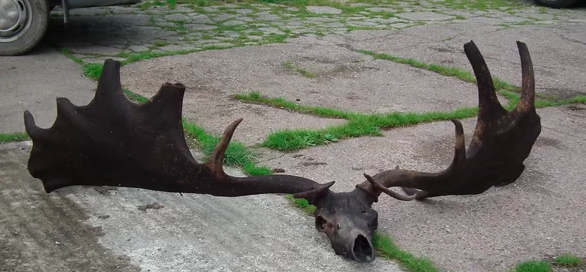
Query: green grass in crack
[292, 67]
[504, 88]
[358, 124]
[236, 153]
[386, 248]
[482, 4]
[568, 260]
[256, 97]
[363, 124]
[92, 70]
[13, 137]
[440, 69]
[533, 266]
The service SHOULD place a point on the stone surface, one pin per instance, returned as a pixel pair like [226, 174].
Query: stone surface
[424, 16]
[323, 10]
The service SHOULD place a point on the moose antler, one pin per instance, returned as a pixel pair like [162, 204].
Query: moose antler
[115, 142]
[502, 141]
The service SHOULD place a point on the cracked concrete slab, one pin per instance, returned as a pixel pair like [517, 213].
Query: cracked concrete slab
[557, 61]
[493, 230]
[340, 79]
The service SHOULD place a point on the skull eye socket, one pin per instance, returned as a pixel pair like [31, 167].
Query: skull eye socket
[320, 223]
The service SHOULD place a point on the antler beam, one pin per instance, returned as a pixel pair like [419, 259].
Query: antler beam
[115, 142]
[502, 141]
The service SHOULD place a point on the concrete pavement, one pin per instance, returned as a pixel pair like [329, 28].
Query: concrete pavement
[85, 229]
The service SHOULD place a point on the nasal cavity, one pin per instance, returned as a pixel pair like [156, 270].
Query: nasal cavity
[362, 250]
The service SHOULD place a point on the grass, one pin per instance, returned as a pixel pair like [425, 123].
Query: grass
[366, 124]
[388, 249]
[302, 204]
[13, 137]
[568, 260]
[442, 70]
[292, 67]
[92, 70]
[256, 97]
[358, 124]
[533, 266]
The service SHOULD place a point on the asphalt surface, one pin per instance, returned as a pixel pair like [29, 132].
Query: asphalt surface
[92, 229]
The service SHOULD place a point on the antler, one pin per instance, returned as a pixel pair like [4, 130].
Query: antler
[115, 142]
[502, 141]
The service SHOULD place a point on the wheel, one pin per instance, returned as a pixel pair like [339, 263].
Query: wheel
[23, 24]
[557, 3]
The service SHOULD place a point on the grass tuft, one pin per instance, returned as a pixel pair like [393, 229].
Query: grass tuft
[256, 97]
[568, 260]
[387, 248]
[533, 266]
[13, 137]
[134, 96]
[92, 70]
[358, 124]
[302, 204]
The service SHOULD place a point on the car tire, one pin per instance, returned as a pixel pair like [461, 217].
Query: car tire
[557, 3]
[23, 23]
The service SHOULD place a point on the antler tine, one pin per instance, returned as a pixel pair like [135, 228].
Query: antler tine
[459, 147]
[216, 160]
[388, 191]
[502, 141]
[109, 85]
[527, 102]
[487, 99]
[32, 129]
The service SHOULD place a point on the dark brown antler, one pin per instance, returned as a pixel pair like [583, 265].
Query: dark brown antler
[114, 142]
[502, 141]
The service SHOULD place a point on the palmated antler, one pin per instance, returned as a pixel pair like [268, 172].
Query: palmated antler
[502, 141]
[115, 142]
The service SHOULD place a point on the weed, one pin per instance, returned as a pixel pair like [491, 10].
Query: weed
[357, 125]
[160, 43]
[13, 137]
[302, 204]
[256, 97]
[275, 38]
[568, 260]
[533, 266]
[133, 96]
[92, 70]
[70, 55]
[385, 247]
